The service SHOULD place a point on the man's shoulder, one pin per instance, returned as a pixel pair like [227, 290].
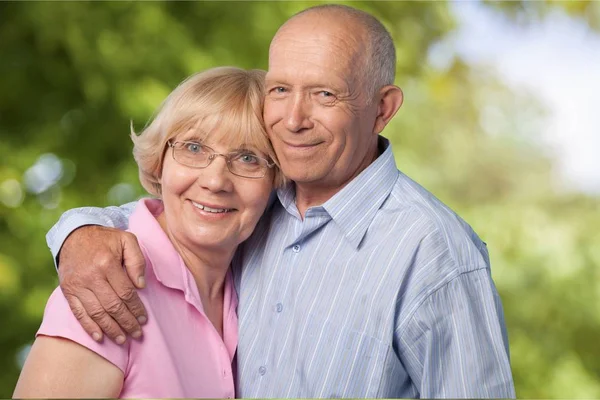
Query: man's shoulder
[440, 225]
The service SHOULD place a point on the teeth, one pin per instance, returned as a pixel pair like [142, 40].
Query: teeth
[210, 210]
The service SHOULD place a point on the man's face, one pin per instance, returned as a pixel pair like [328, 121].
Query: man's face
[316, 113]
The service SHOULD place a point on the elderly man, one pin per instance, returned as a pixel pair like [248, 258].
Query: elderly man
[357, 282]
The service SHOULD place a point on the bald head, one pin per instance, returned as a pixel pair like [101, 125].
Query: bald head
[373, 52]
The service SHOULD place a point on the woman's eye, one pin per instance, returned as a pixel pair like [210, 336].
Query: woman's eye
[278, 90]
[325, 93]
[248, 159]
[193, 147]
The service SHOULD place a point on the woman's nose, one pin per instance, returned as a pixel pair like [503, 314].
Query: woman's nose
[216, 177]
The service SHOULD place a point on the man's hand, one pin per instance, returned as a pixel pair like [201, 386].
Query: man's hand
[99, 291]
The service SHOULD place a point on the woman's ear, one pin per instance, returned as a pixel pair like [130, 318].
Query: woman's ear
[390, 100]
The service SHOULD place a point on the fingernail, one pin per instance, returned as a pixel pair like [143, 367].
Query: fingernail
[120, 339]
[142, 319]
[141, 282]
[136, 334]
[96, 336]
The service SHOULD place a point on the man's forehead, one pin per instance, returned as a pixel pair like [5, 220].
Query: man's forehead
[309, 60]
[332, 40]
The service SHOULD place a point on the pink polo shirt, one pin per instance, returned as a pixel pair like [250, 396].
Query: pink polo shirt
[180, 354]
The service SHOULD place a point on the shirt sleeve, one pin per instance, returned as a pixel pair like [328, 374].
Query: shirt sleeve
[114, 217]
[59, 321]
[455, 345]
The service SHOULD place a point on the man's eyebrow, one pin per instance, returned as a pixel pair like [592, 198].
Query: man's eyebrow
[274, 82]
[312, 86]
[331, 86]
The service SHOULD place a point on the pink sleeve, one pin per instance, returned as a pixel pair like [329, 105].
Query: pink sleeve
[59, 321]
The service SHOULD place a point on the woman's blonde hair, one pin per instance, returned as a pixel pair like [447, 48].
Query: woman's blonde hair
[225, 103]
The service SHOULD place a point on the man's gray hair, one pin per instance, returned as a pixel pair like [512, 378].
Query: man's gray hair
[379, 66]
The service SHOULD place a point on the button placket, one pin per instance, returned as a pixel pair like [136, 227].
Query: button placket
[225, 360]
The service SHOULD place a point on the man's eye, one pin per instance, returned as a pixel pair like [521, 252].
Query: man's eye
[194, 148]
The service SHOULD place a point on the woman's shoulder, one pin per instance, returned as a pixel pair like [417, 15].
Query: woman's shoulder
[59, 321]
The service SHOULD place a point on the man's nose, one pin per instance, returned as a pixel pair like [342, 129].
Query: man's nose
[216, 177]
[298, 114]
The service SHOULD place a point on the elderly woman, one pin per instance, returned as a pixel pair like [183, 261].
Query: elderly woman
[207, 159]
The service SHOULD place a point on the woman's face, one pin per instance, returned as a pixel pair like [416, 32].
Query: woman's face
[211, 207]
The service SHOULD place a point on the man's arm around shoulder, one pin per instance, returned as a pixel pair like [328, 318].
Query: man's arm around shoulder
[90, 249]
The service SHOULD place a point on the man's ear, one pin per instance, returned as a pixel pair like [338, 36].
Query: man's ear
[390, 100]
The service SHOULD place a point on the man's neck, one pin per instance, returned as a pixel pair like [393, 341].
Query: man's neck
[310, 196]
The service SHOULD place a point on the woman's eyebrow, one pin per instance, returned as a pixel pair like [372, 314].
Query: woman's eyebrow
[193, 137]
[250, 149]
[244, 148]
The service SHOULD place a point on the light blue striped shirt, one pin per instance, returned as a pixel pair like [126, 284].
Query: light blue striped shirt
[380, 292]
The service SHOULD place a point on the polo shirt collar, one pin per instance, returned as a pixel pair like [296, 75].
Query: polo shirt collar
[167, 264]
[354, 207]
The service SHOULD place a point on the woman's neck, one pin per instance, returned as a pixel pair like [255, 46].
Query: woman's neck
[208, 266]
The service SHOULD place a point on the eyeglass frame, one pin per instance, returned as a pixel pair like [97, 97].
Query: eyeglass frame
[213, 154]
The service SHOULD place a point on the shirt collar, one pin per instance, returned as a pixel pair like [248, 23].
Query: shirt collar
[354, 207]
[287, 198]
[167, 264]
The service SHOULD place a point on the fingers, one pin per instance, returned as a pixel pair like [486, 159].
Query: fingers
[133, 260]
[84, 319]
[100, 316]
[116, 310]
[136, 315]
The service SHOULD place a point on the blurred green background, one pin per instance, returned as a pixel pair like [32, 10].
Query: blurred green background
[73, 75]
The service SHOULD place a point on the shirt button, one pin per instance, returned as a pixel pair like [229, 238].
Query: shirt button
[262, 370]
[224, 374]
[296, 248]
[279, 307]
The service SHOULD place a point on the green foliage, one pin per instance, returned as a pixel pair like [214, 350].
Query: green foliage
[73, 76]
[528, 12]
